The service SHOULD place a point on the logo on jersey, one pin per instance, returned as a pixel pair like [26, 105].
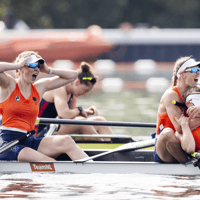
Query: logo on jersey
[17, 98]
[35, 100]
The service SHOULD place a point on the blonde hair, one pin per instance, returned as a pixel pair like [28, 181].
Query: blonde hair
[177, 65]
[85, 74]
[22, 55]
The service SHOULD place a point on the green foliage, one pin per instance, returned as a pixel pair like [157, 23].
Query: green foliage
[105, 13]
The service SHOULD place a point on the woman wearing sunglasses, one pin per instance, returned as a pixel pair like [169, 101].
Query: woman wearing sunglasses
[169, 147]
[62, 102]
[19, 106]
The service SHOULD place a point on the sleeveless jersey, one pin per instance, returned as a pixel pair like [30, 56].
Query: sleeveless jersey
[196, 135]
[163, 120]
[48, 110]
[19, 112]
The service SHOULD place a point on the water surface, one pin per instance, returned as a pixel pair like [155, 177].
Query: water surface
[126, 106]
[98, 186]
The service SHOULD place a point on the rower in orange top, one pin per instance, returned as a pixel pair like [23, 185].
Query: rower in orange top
[169, 147]
[62, 102]
[19, 106]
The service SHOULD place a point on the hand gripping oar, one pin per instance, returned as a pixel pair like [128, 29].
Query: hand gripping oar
[11, 144]
[94, 123]
[126, 147]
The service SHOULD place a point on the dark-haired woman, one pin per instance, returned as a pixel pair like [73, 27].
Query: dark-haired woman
[62, 102]
[170, 147]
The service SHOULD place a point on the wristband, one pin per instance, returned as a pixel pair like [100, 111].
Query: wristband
[50, 70]
[80, 109]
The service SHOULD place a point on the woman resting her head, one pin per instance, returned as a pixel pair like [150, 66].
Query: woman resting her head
[169, 146]
[19, 106]
[62, 102]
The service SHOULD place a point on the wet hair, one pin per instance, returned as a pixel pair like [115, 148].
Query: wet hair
[22, 55]
[177, 65]
[86, 75]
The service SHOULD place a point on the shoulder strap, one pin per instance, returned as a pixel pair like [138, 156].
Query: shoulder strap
[175, 88]
[70, 99]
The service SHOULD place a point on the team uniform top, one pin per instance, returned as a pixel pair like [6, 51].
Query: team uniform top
[19, 112]
[164, 122]
[48, 110]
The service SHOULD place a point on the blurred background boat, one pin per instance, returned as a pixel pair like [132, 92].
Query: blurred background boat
[136, 54]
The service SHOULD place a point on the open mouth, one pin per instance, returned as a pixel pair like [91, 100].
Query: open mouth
[34, 76]
[196, 80]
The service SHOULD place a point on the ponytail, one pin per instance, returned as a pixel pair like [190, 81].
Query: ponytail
[85, 74]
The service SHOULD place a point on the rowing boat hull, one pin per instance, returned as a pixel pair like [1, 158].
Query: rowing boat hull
[99, 167]
[139, 161]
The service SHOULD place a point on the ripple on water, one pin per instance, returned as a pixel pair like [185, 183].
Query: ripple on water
[98, 186]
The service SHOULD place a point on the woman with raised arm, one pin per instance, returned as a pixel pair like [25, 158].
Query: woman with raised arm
[19, 106]
[62, 102]
[169, 146]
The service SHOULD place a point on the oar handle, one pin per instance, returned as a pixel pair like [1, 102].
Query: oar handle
[11, 144]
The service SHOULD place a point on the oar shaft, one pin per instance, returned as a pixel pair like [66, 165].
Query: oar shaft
[11, 144]
[95, 123]
[8, 146]
[52, 128]
[126, 147]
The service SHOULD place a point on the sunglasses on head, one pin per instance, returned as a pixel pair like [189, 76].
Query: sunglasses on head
[92, 80]
[192, 70]
[34, 65]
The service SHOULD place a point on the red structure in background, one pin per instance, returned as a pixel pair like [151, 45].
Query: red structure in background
[54, 45]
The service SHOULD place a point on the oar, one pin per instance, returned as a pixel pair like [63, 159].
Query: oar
[52, 128]
[11, 144]
[94, 123]
[126, 147]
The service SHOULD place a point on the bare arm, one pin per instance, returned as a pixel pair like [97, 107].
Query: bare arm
[72, 110]
[194, 123]
[5, 79]
[60, 101]
[194, 115]
[60, 98]
[187, 139]
[171, 109]
[62, 77]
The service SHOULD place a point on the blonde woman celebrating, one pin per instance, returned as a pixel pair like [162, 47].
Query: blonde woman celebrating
[169, 146]
[19, 106]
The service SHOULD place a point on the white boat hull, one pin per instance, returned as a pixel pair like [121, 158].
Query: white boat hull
[103, 167]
